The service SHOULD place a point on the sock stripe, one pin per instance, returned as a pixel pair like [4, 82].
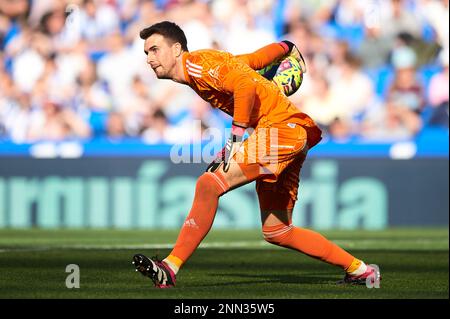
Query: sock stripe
[219, 181]
[177, 262]
[279, 232]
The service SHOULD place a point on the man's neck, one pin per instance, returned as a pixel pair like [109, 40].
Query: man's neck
[180, 75]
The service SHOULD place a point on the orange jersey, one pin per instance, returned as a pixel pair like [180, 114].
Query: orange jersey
[231, 84]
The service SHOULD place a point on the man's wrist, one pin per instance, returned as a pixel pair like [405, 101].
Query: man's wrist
[287, 45]
[237, 133]
[238, 129]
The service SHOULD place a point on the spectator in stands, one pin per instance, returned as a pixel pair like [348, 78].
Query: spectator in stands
[17, 11]
[406, 91]
[44, 53]
[399, 117]
[436, 14]
[425, 53]
[438, 94]
[115, 126]
[29, 52]
[351, 90]
[15, 110]
[396, 18]
[118, 68]
[390, 123]
[339, 130]
[91, 94]
[318, 103]
[156, 128]
[374, 50]
[438, 90]
[55, 123]
[98, 20]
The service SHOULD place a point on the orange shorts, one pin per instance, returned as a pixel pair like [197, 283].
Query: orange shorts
[274, 154]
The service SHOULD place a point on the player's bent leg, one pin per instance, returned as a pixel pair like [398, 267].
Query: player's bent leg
[315, 245]
[308, 242]
[210, 186]
[276, 215]
[277, 200]
[278, 230]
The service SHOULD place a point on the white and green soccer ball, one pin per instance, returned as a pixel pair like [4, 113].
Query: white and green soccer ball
[287, 75]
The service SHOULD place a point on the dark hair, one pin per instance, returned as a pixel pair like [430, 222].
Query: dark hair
[168, 30]
[159, 114]
[352, 60]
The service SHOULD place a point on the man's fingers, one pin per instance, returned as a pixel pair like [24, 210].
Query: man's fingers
[213, 167]
[230, 152]
[298, 56]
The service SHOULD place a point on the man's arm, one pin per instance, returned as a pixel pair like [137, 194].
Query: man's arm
[243, 87]
[271, 54]
[265, 56]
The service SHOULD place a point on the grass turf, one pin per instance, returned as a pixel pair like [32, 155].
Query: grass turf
[231, 264]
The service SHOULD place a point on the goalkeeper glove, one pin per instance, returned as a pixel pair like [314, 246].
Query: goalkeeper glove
[230, 149]
[295, 53]
[233, 145]
[214, 165]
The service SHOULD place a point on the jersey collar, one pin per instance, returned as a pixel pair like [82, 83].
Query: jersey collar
[186, 75]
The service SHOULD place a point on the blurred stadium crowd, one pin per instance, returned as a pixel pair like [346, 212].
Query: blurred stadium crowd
[377, 69]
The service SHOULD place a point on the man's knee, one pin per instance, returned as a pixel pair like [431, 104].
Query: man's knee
[277, 234]
[212, 183]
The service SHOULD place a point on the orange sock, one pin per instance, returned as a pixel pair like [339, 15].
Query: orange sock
[210, 186]
[308, 242]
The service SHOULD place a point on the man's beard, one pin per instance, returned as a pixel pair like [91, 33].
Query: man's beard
[163, 77]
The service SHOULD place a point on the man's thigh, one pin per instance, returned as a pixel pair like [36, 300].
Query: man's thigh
[282, 194]
[271, 155]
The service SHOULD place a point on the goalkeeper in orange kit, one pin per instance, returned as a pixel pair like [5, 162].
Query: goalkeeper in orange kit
[281, 134]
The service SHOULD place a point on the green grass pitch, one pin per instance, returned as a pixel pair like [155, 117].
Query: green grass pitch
[229, 264]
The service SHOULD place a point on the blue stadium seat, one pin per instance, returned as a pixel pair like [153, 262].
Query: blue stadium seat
[97, 121]
[428, 33]
[382, 78]
[96, 55]
[426, 72]
[426, 113]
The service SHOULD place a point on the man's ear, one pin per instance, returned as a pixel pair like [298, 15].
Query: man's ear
[177, 49]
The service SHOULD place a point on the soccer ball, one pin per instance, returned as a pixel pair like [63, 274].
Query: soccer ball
[287, 75]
